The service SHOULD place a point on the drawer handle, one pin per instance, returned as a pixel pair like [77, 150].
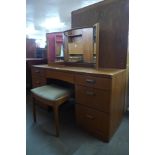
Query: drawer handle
[90, 117]
[90, 81]
[90, 93]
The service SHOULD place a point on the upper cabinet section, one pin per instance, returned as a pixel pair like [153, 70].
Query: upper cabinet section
[80, 45]
[77, 47]
[113, 17]
[103, 45]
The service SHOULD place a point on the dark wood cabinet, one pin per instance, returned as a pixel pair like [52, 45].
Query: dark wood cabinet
[30, 48]
[113, 18]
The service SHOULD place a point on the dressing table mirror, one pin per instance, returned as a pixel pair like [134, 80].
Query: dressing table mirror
[74, 47]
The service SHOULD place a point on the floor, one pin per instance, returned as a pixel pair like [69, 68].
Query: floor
[72, 140]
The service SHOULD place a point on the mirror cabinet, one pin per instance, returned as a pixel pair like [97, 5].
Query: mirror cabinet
[76, 47]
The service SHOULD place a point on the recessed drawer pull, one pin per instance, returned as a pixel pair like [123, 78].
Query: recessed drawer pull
[90, 116]
[90, 93]
[37, 71]
[90, 81]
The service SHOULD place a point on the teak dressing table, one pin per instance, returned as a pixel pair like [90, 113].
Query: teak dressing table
[99, 92]
[99, 95]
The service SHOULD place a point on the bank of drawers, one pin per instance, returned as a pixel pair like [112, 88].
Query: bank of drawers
[38, 77]
[93, 103]
[93, 120]
[94, 82]
[93, 98]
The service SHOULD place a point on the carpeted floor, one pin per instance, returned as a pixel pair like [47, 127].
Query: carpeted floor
[72, 140]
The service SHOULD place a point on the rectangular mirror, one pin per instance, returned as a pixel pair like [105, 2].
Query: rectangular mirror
[75, 46]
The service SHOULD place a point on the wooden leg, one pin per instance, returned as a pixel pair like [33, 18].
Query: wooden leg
[56, 119]
[34, 111]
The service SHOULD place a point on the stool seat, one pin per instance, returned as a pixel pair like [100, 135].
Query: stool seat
[53, 96]
[51, 92]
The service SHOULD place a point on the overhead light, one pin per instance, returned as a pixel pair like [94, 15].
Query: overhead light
[30, 30]
[41, 42]
[53, 23]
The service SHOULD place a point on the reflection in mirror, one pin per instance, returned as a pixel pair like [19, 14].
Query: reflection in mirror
[55, 47]
[59, 47]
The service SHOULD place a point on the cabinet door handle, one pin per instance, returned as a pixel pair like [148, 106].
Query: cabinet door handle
[90, 81]
[90, 116]
[90, 93]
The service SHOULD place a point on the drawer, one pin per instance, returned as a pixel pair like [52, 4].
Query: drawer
[95, 82]
[91, 119]
[60, 75]
[37, 82]
[95, 98]
[38, 72]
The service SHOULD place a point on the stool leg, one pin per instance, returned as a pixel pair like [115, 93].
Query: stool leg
[34, 111]
[56, 119]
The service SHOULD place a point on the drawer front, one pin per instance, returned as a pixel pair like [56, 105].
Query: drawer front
[92, 120]
[59, 75]
[95, 98]
[95, 82]
[38, 72]
[37, 82]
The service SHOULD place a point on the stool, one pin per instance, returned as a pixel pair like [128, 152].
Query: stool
[53, 96]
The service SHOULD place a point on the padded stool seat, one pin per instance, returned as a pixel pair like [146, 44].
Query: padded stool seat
[51, 95]
[51, 92]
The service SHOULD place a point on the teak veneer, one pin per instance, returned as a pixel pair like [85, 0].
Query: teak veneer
[99, 94]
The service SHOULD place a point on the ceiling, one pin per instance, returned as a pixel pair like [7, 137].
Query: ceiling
[43, 16]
